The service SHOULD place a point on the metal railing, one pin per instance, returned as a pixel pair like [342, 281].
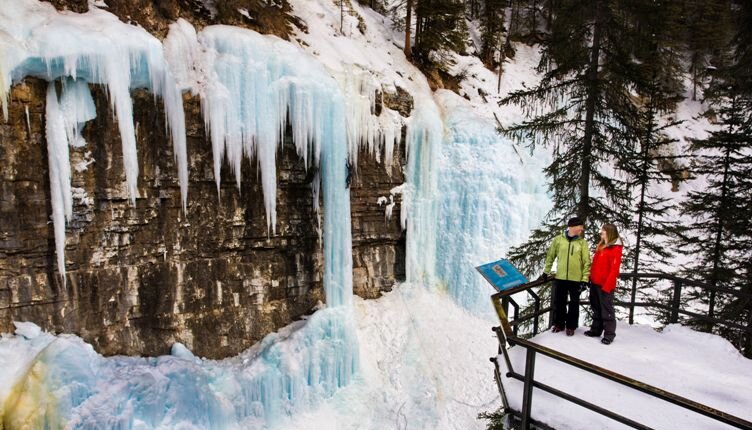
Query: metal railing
[507, 333]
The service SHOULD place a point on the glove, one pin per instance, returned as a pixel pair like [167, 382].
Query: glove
[544, 277]
[584, 286]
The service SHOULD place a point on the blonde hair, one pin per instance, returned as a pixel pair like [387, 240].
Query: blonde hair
[612, 234]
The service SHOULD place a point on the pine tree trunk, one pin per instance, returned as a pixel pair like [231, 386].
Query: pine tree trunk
[641, 208]
[408, 26]
[583, 207]
[721, 222]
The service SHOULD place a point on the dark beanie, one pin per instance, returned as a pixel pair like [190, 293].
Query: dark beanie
[575, 222]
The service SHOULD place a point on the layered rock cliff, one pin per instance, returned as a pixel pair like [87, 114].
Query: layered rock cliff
[140, 278]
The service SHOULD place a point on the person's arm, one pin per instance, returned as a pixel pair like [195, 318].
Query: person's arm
[586, 262]
[550, 256]
[614, 268]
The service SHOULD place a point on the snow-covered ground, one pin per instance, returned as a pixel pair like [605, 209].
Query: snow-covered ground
[699, 366]
[424, 365]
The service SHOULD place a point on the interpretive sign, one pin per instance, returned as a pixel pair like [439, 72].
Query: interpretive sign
[502, 275]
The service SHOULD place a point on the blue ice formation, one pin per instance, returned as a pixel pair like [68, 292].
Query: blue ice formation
[490, 196]
[60, 381]
[425, 131]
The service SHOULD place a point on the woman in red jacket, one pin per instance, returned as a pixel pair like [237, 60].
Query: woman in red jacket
[603, 274]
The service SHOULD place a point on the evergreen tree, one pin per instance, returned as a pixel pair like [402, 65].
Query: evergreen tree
[583, 110]
[440, 27]
[707, 27]
[492, 29]
[657, 73]
[718, 237]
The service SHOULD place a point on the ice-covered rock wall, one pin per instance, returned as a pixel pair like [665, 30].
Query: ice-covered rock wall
[250, 87]
[143, 276]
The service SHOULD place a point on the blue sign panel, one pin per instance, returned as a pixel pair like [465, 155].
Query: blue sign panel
[502, 275]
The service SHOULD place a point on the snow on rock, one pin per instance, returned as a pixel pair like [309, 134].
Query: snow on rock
[27, 329]
[699, 366]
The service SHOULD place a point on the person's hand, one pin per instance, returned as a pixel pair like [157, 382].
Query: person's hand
[544, 277]
[584, 286]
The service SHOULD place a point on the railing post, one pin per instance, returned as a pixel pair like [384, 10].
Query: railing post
[527, 391]
[515, 316]
[632, 299]
[536, 309]
[675, 302]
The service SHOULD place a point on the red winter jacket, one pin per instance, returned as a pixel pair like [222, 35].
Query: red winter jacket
[606, 266]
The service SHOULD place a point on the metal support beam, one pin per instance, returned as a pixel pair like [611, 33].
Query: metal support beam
[527, 391]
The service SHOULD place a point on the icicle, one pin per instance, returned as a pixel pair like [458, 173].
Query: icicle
[28, 121]
[4, 82]
[364, 129]
[175, 115]
[60, 174]
[77, 107]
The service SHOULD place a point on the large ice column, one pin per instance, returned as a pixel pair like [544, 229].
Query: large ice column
[425, 132]
[489, 198]
[96, 48]
[251, 86]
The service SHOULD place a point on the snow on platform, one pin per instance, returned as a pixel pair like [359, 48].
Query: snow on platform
[699, 366]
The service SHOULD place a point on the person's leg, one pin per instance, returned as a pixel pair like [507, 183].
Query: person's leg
[573, 311]
[607, 314]
[596, 328]
[559, 301]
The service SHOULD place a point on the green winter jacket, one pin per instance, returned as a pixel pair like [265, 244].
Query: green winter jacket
[573, 258]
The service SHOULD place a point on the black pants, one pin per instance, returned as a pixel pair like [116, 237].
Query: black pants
[566, 316]
[604, 320]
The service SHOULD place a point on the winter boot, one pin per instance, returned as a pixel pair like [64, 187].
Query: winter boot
[556, 329]
[570, 332]
[591, 333]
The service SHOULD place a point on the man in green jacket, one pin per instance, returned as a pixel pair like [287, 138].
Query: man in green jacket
[572, 255]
